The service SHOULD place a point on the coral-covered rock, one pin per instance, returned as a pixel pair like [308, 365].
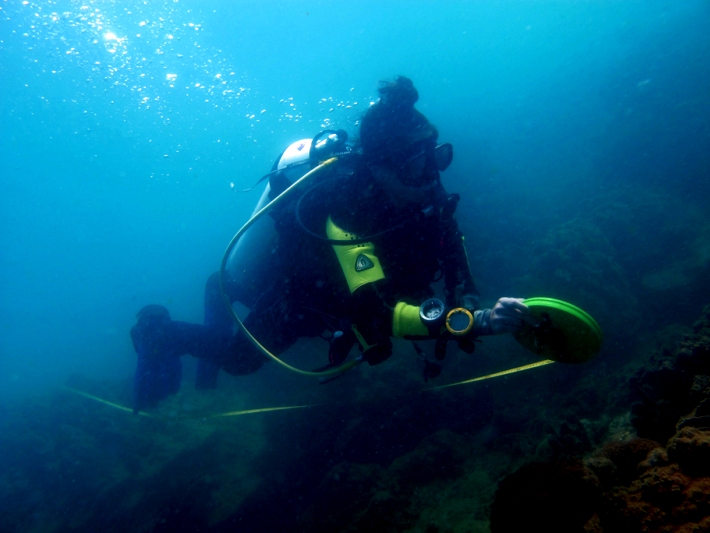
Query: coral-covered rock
[439, 456]
[703, 408]
[662, 499]
[551, 497]
[570, 439]
[355, 497]
[675, 384]
[617, 463]
[671, 490]
[344, 492]
[656, 457]
[690, 448]
[605, 470]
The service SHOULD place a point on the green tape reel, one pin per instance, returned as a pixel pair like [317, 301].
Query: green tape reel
[564, 333]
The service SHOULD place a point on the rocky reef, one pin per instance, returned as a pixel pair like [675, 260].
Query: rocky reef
[657, 481]
[563, 449]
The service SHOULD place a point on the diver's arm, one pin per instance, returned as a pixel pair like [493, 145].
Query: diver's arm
[506, 316]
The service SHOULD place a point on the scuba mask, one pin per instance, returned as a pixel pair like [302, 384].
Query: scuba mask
[423, 161]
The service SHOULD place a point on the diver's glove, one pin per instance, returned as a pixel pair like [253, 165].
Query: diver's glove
[507, 316]
[378, 353]
[375, 343]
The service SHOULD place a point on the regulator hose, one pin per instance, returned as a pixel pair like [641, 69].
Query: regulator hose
[280, 198]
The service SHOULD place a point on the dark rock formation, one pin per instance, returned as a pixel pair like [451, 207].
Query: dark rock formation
[635, 485]
[677, 383]
[552, 497]
[617, 463]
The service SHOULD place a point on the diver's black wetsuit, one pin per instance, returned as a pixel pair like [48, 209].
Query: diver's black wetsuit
[309, 294]
[423, 246]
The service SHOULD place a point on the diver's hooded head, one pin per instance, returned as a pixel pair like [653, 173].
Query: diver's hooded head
[399, 147]
[392, 125]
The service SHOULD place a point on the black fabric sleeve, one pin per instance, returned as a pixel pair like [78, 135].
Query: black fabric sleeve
[373, 319]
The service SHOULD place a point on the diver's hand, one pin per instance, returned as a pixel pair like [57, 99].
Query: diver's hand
[508, 315]
[378, 354]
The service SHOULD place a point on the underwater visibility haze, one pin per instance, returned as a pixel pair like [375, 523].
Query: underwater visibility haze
[581, 135]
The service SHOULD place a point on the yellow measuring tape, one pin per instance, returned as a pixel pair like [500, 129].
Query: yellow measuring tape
[497, 374]
[269, 409]
[92, 397]
[250, 411]
[218, 415]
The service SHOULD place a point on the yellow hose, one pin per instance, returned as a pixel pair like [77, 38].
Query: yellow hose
[340, 369]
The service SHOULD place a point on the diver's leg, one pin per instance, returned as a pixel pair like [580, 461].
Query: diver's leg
[158, 369]
[276, 326]
[217, 315]
[218, 319]
[243, 357]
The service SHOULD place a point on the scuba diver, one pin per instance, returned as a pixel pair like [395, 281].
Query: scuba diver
[355, 255]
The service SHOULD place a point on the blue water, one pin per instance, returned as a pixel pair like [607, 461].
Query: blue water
[127, 128]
